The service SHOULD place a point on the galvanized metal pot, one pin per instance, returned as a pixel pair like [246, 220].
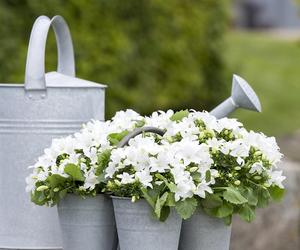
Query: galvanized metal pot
[87, 223]
[202, 232]
[31, 114]
[138, 230]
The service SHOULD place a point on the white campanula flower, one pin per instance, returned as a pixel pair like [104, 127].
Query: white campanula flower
[267, 145]
[209, 120]
[184, 189]
[276, 178]
[214, 143]
[91, 180]
[186, 128]
[145, 178]
[191, 152]
[127, 119]
[30, 182]
[160, 119]
[257, 167]
[229, 124]
[126, 178]
[202, 188]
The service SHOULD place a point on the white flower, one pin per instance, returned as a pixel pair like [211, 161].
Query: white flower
[160, 163]
[91, 180]
[276, 178]
[202, 188]
[257, 167]
[214, 143]
[209, 120]
[184, 189]
[110, 170]
[229, 124]
[126, 119]
[126, 178]
[145, 178]
[30, 181]
[159, 119]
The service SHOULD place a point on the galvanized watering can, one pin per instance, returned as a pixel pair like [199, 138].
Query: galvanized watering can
[31, 114]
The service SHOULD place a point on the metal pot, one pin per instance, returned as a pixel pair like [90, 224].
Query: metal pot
[202, 232]
[87, 223]
[138, 230]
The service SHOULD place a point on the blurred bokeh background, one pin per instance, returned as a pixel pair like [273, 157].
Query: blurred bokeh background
[161, 54]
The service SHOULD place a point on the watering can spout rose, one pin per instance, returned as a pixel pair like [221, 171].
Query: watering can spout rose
[242, 96]
[45, 106]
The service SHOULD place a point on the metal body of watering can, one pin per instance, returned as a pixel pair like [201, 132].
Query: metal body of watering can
[31, 114]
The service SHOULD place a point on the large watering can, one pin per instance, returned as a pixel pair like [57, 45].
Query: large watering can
[31, 114]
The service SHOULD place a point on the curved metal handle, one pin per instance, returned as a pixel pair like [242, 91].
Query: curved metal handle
[35, 63]
[138, 131]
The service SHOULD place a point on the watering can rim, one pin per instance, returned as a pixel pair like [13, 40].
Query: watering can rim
[51, 83]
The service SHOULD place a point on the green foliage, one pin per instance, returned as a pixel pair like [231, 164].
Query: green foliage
[74, 171]
[178, 116]
[115, 138]
[156, 54]
[276, 193]
[186, 207]
[233, 196]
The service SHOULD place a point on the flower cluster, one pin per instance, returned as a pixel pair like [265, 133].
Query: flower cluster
[75, 164]
[199, 161]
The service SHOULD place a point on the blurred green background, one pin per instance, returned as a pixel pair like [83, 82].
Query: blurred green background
[161, 54]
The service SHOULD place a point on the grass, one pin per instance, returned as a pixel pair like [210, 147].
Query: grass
[272, 67]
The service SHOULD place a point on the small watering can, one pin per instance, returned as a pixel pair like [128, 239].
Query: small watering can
[31, 114]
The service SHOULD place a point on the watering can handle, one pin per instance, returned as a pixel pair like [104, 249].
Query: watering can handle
[35, 64]
[138, 131]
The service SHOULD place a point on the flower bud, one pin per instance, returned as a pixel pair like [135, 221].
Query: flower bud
[56, 189]
[193, 169]
[257, 177]
[258, 153]
[237, 168]
[133, 199]
[42, 188]
[237, 183]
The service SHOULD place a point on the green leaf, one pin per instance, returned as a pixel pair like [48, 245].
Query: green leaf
[171, 186]
[171, 200]
[165, 211]
[178, 116]
[103, 160]
[276, 193]
[247, 213]
[225, 210]
[56, 180]
[115, 138]
[227, 220]
[160, 202]
[212, 201]
[39, 198]
[263, 196]
[140, 123]
[148, 198]
[74, 171]
[207, 176]
[250, 195]
[186, 208]
[233, 196]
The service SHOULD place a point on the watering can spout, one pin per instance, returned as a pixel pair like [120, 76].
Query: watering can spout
[242, 96]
